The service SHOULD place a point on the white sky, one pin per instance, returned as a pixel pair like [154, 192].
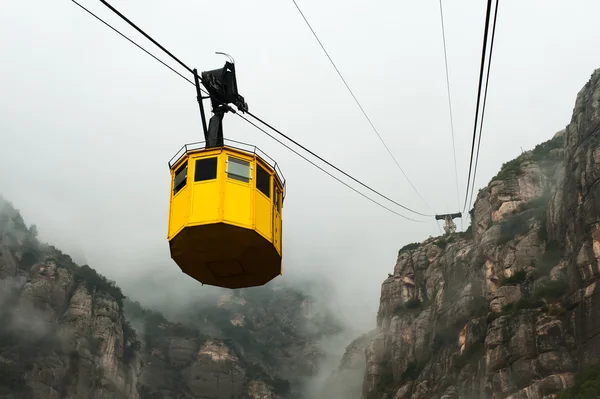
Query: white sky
[88, 121]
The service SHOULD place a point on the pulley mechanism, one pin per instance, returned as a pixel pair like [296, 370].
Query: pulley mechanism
[221, 85]
[449, 225]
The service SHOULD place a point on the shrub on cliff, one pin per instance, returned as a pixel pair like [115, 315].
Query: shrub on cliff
[587, 384]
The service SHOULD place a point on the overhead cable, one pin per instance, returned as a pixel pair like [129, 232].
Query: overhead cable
[483, 52]
[263, 122]
[359, 105]
[137, 45]
[487, 79]
[333, 166]
[450, 107]
[323, 170]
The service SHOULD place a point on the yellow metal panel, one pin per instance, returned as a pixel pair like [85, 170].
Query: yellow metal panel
[180, 210]
[205, 202]
[221, 180]
[202, 246]
[263, 213]
[277, 232]
[277, 203]
[237, 203]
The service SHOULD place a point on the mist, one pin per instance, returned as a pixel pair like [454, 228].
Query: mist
[88, 123]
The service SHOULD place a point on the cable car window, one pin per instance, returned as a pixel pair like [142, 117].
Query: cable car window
[180, 178]
[238, 169]
[206, 169]
[263, 180]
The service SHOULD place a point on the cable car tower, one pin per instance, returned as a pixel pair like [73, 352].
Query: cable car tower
[449, 225]
[226, 201]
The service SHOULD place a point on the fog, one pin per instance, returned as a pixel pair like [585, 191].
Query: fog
[88, 121]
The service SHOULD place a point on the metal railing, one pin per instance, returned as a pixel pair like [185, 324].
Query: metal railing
[236, 145]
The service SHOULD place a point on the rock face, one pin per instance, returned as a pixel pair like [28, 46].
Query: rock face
[346, 381]
[67, 332]
[510, 308]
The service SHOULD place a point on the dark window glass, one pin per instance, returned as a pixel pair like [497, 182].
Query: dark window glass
[263, 180]
[238, 169]
[180, 177]
[206, 169]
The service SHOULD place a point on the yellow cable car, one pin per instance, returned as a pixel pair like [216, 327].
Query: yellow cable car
[225, 207]
[225, 216]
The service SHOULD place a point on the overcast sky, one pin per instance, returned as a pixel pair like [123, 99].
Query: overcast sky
[88, 121]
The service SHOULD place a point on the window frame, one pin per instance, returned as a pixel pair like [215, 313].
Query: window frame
[235, 177]
[258, 168]
[216, 168]
[178, 187]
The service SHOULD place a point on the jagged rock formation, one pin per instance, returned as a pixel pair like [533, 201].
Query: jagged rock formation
[508, 309]
[511, 307]
[66, 332]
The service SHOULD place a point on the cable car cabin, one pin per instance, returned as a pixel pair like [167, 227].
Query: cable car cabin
[225, 216]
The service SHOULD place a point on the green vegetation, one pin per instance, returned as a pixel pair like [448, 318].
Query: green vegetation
[518, 222]
[387, 378]
[543, 231]
[469, 231]
[280, 387]
[493, 316]
[538, 205]
[541, 154]
[552, 289]
[21, 346]
[549, 260]
[509, 170]
[24, 239]
[471, 353]
[512, 226]
[12, 381]
[95, 342]
[18, 237]
[443, 337]
[274, 323]
[523, 303]
[413, 370]
[479, 306]
[131, 343]
[157, 329]
[587, 384]
[33, 251]
[515, 279]
[98, 283]
[409, 247]
[548, 290]
[412, 303]
[442, 243]
[557, 311]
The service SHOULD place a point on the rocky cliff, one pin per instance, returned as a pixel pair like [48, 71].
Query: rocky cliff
[511, 307]
[68, 332]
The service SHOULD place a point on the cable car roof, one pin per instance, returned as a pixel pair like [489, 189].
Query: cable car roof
[235, 145]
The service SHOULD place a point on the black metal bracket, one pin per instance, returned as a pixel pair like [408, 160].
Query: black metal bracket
[221, 85]
[199, 97]
[448, 215]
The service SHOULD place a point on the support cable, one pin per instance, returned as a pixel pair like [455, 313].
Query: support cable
[258, 119]
[484, 100]
[359, 105]
[450, 109]
[483, 52]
